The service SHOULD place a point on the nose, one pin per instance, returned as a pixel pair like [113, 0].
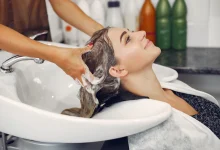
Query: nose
[140, 35]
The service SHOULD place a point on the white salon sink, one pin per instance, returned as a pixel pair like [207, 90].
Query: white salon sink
[32, 97]
[46, 87]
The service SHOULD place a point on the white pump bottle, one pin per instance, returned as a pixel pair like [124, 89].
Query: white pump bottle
[82, 37]
[131, 15]
[98, 12]
[114, 15]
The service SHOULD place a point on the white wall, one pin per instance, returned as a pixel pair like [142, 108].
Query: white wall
[214, 23]
[203, 20]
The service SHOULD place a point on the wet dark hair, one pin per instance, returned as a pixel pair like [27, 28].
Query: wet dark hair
[109, 91]
[99, 62]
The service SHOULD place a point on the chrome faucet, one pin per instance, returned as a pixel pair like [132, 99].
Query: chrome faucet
[7, 65]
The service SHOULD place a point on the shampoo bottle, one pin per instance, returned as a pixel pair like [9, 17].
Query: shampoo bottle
[98, 12]
[179, 25]
[148, 20]
[131, 15]
[114, 15]
[70, 34]
[163, 24]
[82, 37]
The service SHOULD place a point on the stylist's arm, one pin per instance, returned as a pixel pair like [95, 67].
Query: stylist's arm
[68, 59]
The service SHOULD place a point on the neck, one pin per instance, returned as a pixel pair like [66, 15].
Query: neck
[144, 83]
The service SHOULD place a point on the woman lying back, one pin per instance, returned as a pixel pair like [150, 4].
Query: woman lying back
[124, 59]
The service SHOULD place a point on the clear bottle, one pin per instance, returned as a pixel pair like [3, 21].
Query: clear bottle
[114, 15]
[98, 12]
[70, 34]
[179, 25]
[163, 24]
[148, 20]
[82, 37]
[131, 15]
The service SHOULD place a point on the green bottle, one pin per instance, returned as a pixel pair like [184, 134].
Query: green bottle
[179, 25]
[163, 24]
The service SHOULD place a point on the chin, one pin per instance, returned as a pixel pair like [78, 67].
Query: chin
[157, 52]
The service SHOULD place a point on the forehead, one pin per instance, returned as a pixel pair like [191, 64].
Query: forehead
[114, 35]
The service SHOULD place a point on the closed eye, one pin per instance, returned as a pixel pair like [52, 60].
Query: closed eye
[128, 39]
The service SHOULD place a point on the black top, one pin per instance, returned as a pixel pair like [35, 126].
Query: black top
[208, 112]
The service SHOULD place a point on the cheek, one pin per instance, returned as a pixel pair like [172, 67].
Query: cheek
[135, 60]
[140, 59]
[132, 54]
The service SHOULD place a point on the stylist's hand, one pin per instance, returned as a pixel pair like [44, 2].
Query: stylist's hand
[70, 60]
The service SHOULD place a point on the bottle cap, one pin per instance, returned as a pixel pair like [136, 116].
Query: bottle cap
[113, 4]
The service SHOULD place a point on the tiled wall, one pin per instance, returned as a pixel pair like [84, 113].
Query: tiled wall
[203, 21]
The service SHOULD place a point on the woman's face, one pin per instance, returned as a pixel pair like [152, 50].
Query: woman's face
[132, 50]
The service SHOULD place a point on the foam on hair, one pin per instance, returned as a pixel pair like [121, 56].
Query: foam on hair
[108, 91]
[99, 60]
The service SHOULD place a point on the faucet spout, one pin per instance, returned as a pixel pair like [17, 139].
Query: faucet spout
[7, 65]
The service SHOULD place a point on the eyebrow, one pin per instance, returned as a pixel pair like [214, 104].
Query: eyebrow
[123, 33]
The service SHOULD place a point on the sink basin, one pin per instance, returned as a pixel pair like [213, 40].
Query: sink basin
[46, 87]
[32, 97]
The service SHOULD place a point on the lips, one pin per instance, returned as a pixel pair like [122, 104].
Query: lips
[147, 44]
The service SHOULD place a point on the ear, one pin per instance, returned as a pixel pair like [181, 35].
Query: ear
[118, 71]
